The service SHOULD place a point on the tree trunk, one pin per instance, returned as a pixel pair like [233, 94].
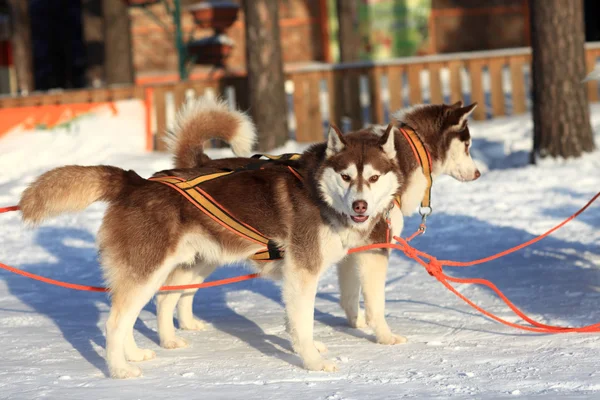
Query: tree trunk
[561, 114]
[21, 45]
[93, 33]
[347, 102]
[348, 35]
[266, 92]
[118, 57]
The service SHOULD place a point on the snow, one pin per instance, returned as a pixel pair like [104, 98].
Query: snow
[52, 339]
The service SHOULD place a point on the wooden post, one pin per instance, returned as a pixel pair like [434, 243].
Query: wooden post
[377, 114]
[414, 84]
[324, 24]
[300, 109]
[517, 83]
[497, 91]
[435, 83]
[93, 33]
[179, 95]
[592, 86]
[331, 93]
[22, 46]
[160, 109]
[394, 79]
[118, 55]
[266, 80]
[477, 94]
[455, 81]
[348, 34]
[148, 94]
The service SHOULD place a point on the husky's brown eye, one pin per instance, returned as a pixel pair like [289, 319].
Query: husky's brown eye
[467, 148]
[374, 178]
[346, 178]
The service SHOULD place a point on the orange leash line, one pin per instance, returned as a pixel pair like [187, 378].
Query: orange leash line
[87, 288]
[220, 282]
[67, 285]
[522, 245]
[433, 266]
[7, 209]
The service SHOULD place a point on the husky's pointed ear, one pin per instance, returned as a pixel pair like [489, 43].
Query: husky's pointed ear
[456, 105]
[387, 142]
[335, 141]
[457, 120]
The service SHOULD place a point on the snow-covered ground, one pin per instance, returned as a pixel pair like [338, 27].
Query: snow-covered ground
[52, 340]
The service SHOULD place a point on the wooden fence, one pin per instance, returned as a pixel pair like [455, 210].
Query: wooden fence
[74, 96]
[351, 95]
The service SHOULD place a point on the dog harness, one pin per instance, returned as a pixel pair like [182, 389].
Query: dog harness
[192, 191]
[424, 159]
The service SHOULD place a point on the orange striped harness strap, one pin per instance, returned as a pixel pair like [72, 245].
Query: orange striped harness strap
[192, 191]
[424, 159]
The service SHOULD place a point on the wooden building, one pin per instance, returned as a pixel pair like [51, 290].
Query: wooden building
[308, 34]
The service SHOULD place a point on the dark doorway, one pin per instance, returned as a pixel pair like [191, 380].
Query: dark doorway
[592, 20]
[58, 46]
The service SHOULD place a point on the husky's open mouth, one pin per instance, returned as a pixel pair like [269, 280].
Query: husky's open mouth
[359, 218]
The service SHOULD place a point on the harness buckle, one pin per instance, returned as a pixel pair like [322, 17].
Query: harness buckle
[425, 212]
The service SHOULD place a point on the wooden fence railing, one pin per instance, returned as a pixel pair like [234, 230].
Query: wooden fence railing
[74, 96]
[352, 95]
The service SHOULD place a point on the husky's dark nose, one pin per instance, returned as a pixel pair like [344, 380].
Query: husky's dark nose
[477, 174]
[360, 206]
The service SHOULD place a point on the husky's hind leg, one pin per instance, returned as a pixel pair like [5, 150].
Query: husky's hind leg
[185, 312]
[165, 305]
[128, 298]
[184, 299]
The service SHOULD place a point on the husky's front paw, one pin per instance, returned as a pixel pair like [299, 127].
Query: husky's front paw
[359, 321]
[321, 348]
[192, 325]
[126, 371]
[321, 364]
[173, 343]
[391, 339]
[141, 355]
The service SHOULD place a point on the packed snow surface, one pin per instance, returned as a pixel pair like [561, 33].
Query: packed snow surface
[52, 339]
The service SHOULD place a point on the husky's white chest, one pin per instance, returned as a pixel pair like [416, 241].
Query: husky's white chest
[336, 241]
[351, 238]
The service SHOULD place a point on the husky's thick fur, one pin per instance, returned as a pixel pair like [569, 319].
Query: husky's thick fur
[445, 133]
[213, 119]
[149, 229]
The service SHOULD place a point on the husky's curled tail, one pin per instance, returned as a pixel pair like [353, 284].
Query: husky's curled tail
[207, 118]
[72, 188]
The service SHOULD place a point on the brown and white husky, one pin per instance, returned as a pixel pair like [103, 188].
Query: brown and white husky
[150, 229]
[445, 134]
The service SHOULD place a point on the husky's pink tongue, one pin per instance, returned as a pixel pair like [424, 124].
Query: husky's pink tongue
[359, 218]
